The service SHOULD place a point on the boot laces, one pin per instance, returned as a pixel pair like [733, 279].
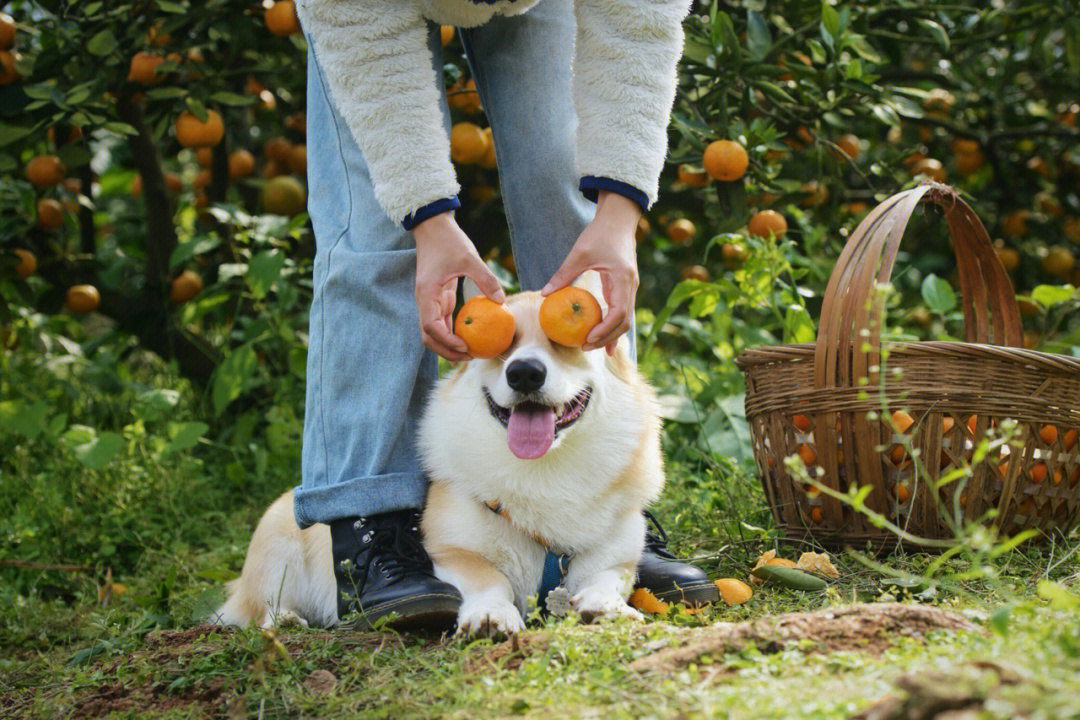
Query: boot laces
[656, 542]
[397, 549]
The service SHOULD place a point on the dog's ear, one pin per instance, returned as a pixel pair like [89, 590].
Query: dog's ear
[590, 280]
[469, 289]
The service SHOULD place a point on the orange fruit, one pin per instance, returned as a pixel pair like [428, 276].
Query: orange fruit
[1039, 165]
[143, 68]
[903, 494]
[965, 145]
[1059, 261]
[1074, 477]
[82, 299]
[468, 143]
[725, 160]
[154, 36]
[643, 229]
[173, 183]
[695, 272]
[733, 591]
[733, 255]
[1070, 439]
[1070, 227]
[902, 421]
[74, 134]
[297, 121]
[681, 231]
[1048, 434]
[7, 31]
[446, 34]
[1049, 204]
[201, 201]
[45, 171]
[8, 73]
[1038, 473]
[274, 168]
[277, 148]
[470, 98]
[693, 176]
[807, 454]
[486, 326]
[488, 162]
[898, 455]
[241, 164]
[645, 601]
[27, 263]
[185, 286]
[284, 195]
[202, 179]
[1010, 258]
[281, 18]
[1015, 223]
[931, 168]
[801, 422]
[968, 163]
[136, 186]
[50, 214]
[816, 194]
[205, 156]
[192, 132]
[817, 514]
[947, 424]
[567, 316]
[782, 562]
[298, 159]
[767, 223]
[849, 146]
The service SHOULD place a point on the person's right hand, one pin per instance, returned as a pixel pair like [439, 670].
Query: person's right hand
[443, 254]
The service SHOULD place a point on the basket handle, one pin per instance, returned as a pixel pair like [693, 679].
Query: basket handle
[849, 335]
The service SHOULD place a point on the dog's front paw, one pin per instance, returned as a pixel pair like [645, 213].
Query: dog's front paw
[484, 617]
[595, 604]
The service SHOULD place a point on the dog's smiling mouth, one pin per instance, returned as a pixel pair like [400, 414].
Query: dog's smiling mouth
[532, 427]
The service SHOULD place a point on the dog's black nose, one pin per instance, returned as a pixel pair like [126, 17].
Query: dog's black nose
[526, 376]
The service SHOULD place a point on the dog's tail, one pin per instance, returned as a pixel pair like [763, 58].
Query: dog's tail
[237, 608]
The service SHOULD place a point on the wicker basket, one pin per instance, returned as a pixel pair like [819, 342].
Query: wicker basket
[814, 400]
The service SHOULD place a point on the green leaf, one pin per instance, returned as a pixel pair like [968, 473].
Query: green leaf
[263, 269]
[100, 451]
[230, 98]
[726, 431]
[862, 48]
[1051, 295]
[171, 7]
[677, 407]
[154, 404]
[12, 133]
[937, 32]
[23, 420]
[938, 294]
[830, 23]
[231, 376]
[197, 108]
[167, 93]
[121, 128]
[886, 114]
[102, 44]
[184, 436]
[758, 37]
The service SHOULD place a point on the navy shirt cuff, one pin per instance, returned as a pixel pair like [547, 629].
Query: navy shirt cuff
[591, 185]
[429, 211]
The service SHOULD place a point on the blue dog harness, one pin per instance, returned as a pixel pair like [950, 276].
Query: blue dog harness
[555, 565]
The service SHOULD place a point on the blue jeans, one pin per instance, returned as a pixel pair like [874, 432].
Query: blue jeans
[368, 373]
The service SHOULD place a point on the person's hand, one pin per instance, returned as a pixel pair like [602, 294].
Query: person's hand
[443, 254]
[607, 245]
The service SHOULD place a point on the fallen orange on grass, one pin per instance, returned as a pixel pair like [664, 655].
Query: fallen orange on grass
[733, 591]
[487, 327]
[567, 316]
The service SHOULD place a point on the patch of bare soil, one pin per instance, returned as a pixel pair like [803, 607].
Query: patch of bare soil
[871, 628]
[960, 693]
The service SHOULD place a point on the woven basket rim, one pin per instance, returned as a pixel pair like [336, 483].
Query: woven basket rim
[798, 352]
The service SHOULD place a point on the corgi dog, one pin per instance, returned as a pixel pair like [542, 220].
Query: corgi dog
[543, 450]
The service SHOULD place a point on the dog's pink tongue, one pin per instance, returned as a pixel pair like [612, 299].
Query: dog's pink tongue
[531, 430]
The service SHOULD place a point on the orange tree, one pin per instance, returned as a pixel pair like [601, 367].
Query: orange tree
[129, 136]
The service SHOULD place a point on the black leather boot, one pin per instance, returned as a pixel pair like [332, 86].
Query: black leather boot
[383, 570]
[669, 579]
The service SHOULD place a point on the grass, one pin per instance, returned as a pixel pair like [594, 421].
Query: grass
[174, 526]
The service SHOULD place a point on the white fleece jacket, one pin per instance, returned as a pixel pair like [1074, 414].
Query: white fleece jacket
[375, 56]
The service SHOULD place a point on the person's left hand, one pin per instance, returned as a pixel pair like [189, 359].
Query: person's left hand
[609, 246]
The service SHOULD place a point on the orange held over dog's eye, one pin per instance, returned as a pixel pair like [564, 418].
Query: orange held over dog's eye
[486, 327]
[567, 316]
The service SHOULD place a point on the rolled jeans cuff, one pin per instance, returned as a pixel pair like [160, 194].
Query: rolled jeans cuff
[360, 497]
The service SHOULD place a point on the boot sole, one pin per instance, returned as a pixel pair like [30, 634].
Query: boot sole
[690, 595]
[432, 613]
